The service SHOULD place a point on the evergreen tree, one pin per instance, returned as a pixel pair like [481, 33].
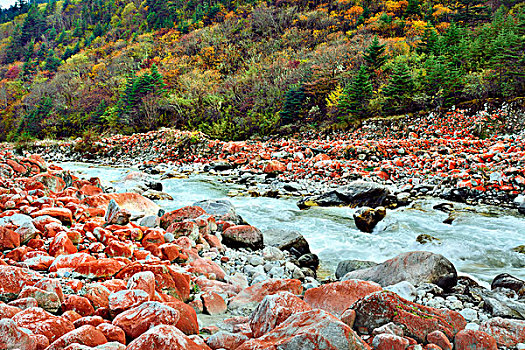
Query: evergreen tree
[374, 54]
[507, 60]
[52, 62]
[34, 25]
[413, 8]
[293, 103]
[354, 100]
[399, 89]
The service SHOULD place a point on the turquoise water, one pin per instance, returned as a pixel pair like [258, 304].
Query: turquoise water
[478, 243]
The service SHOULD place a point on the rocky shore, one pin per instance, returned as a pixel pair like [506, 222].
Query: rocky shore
[83, 268]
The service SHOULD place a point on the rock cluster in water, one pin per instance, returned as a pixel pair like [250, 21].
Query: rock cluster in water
[84, 269]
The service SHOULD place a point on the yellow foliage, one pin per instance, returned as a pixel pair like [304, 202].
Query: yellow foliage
[98, 68]
[442, 27]
[396, 7]
[416, 28]
[333, 97]
[440, 10]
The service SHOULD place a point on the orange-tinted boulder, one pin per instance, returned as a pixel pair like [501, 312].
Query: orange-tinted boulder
[138, 320]
[112, 333]
[8, 311]
[12, 337]
[101, 268]
[85, 335]
[187, 323]
[42, 322]
[213, 303]
[126, 299]
[164, 337]
[62, 214]
[377, 309]
[386, 341]
[189, 212]
[61, 245]
[70, 261]
[9, 239]
[89, 320]
[79, 304]
[14, 279]
[338, 296]
[208, 268]
[469, 339]
[274, 166]
[258, 291]
[118, 248]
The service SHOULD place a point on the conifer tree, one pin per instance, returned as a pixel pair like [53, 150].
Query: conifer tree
[374, 54]
[355, 97]
[413, 8]
[399, 89]
[293, 103]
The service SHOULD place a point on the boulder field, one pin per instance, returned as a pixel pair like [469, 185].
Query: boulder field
[84, 269]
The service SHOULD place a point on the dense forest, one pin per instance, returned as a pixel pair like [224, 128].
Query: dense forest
[241, 68]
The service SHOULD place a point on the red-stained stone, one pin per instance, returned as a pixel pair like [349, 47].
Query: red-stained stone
[61, 245]
[101, 268]
[184, 229]
[274, 310]
[208, 268]
[133, 202]
[187, 323]
[9, 239]
[213, 303]
[189, 212]
[112, 333]
[12, 337]
[8, 311]
[469, 339]
[387, 341]
[53, 183]
[164, 337]
[154, 237]
[440, 339]
[89, 320]
[336, 297]
[314, 329]
[90, 190]
[24, 303]
[85, 335]
[348, 317]
[243, 236]
[62, 214]
[224, 340]
[79, 304]
[51, 285]
[126, 299]
[114, 285]
[48, 301]
[14, 279]
[172, 252]
[274, 166]
[167, 279]
[71, 316]
[70, 261]
[42, 322]
[116, 248]
[137, 320]
[377, 309]
[41, 341]
[20, 169]
[144, 281]
[507, 332]
[258, 291]
[432, 347]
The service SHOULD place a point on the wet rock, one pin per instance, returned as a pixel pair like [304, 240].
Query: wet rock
[221, 209]
[414, 267]
[138, 320]
[314, 329]
[474, 340]
[355, 194]
[85, 335]
[505, 280]
[507, 332]
[367, 218]
[291, 241]
[418, 321]
[243, 236]
[258, 291]
[274, 310]
[426, 238]
[163, 337]
[499, 304]
[309, 260]
[345, 266]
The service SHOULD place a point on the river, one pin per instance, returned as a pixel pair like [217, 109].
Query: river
[479, 242]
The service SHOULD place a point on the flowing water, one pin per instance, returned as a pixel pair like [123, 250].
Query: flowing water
[479, 242]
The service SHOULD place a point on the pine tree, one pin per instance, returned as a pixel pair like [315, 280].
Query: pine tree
[413, 8]
[507, 61]
[34, 25]
[399, 89]
[355, 97]
[52, 62]
[293, 103]
[374, 54]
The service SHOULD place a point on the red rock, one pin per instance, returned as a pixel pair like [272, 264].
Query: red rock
[167, 279]
[12, 337]
[184, 229]
[117, 248]
[153, 236]
[61, 245]
[133, 202]
[224, 340]
[20, 169]
[51, 285]
[24, 303]
[144, 281]
[507, 332]
[469, 339]
[213, 303]
[53, 183]
[85, 335]
[274, 310]
[8, 311]
[274, 166]
[48, 301]
[112, 333]
[62, 214]
[126, 299]
[432, 347]
[39, 263]
[90, 190]
[258, 291]
[70, 261]
[387, 341]
[137, 320]
[9, 239]
[79, 304]
[71, 316]
[440, 339]
[377, 309]
[89, 320]
[101, 268]
[172, 252]
[41, 322]
[14, 279]
[336, 297]
[98, 295]
[164, 337]
[348, 317]
[208, 268]
[315, 329]
[189, 212]
[41, 341]
[243, 236]
[188, 322]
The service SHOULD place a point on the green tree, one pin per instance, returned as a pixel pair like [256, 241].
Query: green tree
[399, 89]
[374, 54]
[354, 100]
[293, 103]
[413, 8]
[52, 62]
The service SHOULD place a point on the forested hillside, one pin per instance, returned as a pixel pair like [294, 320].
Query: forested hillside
[235, 69]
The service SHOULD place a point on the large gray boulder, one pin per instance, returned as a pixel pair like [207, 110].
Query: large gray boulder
[355, 194]
[221, 209]
[347, 266]
[414, 267]
[291, 241]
